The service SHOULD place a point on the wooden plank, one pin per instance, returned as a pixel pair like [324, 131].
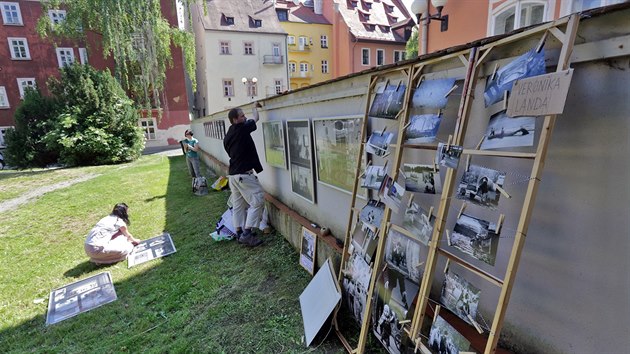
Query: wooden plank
[487, 276]
[517, 155]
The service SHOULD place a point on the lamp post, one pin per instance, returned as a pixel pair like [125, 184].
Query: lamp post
[421, 7]
[251, 87]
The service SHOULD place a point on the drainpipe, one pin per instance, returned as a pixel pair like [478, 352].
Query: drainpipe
[424, 34]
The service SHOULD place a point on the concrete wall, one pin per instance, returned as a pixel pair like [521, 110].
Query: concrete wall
[572, 290]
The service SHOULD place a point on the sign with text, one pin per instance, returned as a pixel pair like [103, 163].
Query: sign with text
[540, 95]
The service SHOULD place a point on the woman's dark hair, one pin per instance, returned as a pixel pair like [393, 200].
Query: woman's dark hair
[188, 131]
[120, 210]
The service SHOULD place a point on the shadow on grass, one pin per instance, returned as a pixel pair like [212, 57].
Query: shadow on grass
[84, 268]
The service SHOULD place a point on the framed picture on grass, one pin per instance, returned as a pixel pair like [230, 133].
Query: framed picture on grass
[155, 247]
[308, 250]
[300, 159]
[337, 146]
[275, 149]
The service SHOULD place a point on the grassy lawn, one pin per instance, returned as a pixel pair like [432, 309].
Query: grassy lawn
[214, 297]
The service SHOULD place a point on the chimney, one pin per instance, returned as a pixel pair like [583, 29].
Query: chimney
[318, 7]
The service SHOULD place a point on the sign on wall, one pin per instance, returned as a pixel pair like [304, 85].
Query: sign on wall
[540, 95]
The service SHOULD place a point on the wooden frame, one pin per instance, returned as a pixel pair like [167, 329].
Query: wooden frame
[308, 250]
[301, 161]
[267, 128]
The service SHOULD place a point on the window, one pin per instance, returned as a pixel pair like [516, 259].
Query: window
[303, 42]
[249, 48]
[324, 41]
[252, 89]
[367, 5]
[65, 56]
[292, 67]
[148, 126]
[583, 5]
[3, 132]
[257, 23]
[283, 15]
[229, 20]
[303, 67]
[275, 49]
[23, 83]
[399, 55]
[366, 17]
[505, 18]
[228, 87]
[57, 16]
[380, 57]
[291, 40]
[83, 55]
[324, 66]
[19, 48]
[4, 99]
[278, 85]
[224, 47]
[365, 56]
[11, 14]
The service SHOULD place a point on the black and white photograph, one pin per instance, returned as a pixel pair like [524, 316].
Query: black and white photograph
[418, 223]
[423, 128]
[373, 177]
[506, 132]
[308, 250]
[372, 213]
[460, 296]
[81, 296]
[403, 254]
[529, 64]
[432, 93]
[356, 280]
[155, 247]
[448, 155]
[378, 144]
[394, 301]
[444, 339]
[422, 178]
[337, 146]
[476, 237]
[300, 159]
[388, 101]
[365, 240]
[392, 194]
[479, 185]
[275, 150]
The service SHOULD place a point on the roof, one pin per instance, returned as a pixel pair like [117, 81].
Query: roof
[241, 16]
[374, 19]
[301, 13]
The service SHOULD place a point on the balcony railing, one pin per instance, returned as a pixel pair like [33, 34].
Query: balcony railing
[273, 59]
[301, 74]
[299, 48]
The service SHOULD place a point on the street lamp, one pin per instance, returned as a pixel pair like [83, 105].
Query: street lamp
[420, 7]
[251, 86]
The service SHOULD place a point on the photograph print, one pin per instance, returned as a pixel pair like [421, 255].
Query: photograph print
[372, 213]
[403, 254]
[275, 151]
[506, 132]
[300, 159]
[356, 280]
[418, 223]
[444, 339]
[432, 93]
[460, 296]
[152, 248]
[394, 299]
[80, 296]
[308, 249]
[373, 177]
[476, 237]
[388, 102]
[337, 147]
[479, 186]
[423, 128]
[378, 144]
[529, 64]
[422, 178]
[365, 240]
[392, 194]
[448, 155]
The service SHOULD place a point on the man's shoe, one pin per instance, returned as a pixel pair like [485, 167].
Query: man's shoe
[267, 230]
[249, 239]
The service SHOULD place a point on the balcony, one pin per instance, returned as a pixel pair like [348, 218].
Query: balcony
[301, 74]
[273, 59]
[299, 48]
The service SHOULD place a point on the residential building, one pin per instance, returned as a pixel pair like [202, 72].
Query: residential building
[471, 20]
[366, 33]
[26, 59]
[309, 42]
[241, 54]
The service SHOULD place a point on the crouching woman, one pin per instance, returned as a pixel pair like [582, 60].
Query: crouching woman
[110, 241]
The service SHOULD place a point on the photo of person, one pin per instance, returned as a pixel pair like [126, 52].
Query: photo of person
[480, 185]
[505, 132]
[392, 194]
[308, 247]
[418, 223]
[388, 102]
[275, 151]
[432, 93]
[403, 254]
[378, 144]
[460, 296]
[356, 280]
[300, 159]
[373, 177]
[372, 213]
[422, 178]
[448, 155]
[444, 339]
[476, 237]
[422, 129]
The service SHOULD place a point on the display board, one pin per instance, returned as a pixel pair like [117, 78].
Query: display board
[155, 247]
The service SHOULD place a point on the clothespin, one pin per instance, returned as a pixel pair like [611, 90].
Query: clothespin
[439, 113]
[420, 81]
[410, 200]
[402, 172]
[398, 86]
[541, 43]
[436, 313]
[435, 168]
[499, 223]
[505, 99]
[404, 321]
[448, 264]
[383, 131]
[461, 210]
[448, 238]
[385, 165]
[419, 265]
[494, 72]
[480, 142]
[366, 167]
[386, 83]
[502, 191]
[451, 91]
[448, 142]
[474, 323]
[407, 125]
[430, 213]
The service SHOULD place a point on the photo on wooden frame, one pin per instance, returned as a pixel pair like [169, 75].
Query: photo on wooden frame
[418, 223]
[443, 338]
[337, 147]
[432, 93]
[423, 128]
[373, 177]
[448, 155]
[356, 281]
[378, 144]
[460, 296]
[308, 250]
[388, 101]
[507, 132]
[372, 213]
[301, 159]
[275, 149]
[476, 237]
[403, 254]
[422, 178]
[481, 186]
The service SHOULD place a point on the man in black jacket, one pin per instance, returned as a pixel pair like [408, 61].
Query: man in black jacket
[246, 189]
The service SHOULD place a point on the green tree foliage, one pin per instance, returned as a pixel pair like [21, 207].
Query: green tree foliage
[134, 32]
[411, 47]
[95, 123]
[25, 145]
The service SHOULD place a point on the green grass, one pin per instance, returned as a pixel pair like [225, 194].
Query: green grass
[214, 297]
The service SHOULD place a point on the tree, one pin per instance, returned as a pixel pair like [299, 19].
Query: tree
[134, 32]
[411, 47]
[95, 123]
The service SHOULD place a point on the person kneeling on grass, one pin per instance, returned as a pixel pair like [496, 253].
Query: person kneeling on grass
[110, 241]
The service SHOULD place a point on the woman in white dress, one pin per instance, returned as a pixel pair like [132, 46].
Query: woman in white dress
[110, 241]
